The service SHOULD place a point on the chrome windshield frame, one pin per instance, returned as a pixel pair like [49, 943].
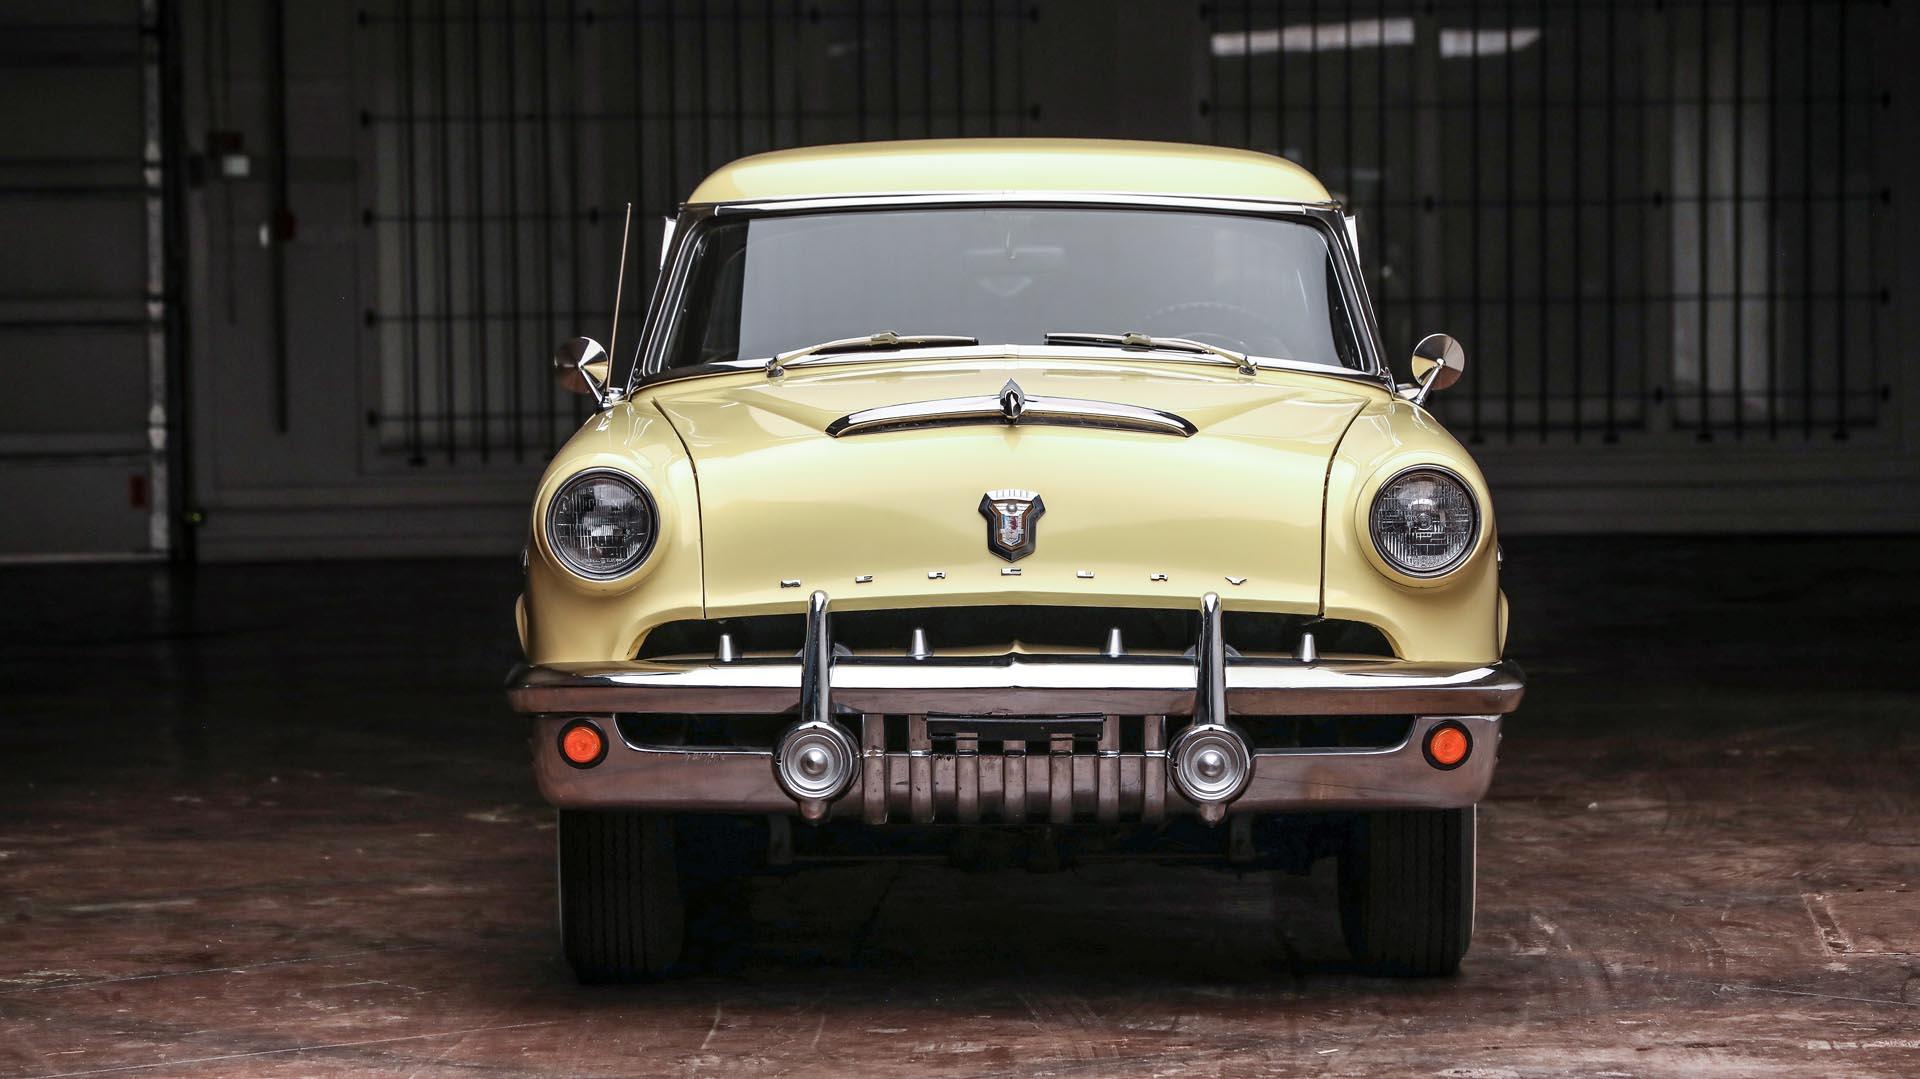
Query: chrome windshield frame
[692, 222]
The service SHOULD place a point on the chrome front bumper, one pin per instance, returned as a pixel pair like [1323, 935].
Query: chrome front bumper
[979, 780]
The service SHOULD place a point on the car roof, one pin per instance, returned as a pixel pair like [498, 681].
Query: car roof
[994, 166]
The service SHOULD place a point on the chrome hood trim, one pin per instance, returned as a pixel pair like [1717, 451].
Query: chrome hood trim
[1012, 406]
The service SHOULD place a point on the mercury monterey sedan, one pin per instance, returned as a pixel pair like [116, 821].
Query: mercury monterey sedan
[1053, 498]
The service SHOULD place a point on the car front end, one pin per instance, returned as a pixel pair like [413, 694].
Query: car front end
[1217, 568]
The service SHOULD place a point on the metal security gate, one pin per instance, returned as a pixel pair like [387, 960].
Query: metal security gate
[1644, 218]
[502, 138]
[89, 302]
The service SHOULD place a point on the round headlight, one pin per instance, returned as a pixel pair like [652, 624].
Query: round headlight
[1424, 521]
[601, 523]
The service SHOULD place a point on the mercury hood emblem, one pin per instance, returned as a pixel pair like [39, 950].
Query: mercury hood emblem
[1011, 518]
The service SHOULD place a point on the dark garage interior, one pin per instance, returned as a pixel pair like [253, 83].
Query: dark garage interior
[281, 285]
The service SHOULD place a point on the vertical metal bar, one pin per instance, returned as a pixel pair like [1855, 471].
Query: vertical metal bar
[1107, 777]
[282, 212]
[966, 781]
[1773, 220]
[1280, 78]
[893, 65]
[544, 219]
[1703, 116]
[1211, 12]
[670, 48]
[1613, 312]
[477, 243]
[1313, 85]
[1511, 286]
[1153, 783]
[1348, 119]
[570, 71]
[1473, 198]
[1013, 780]
[873, 768]
[1020, 68]
[638, 66]
[799, 83]
[739, 66]
[637, 63]
[960, 70]
[1380, 191]
[1060, 779]
[860, 62]
[1579, 221]
[704, 69]
[1806, 221]
[1246, 72]
[160, 157]
[405, 82]
[511, 264]
[920, 769]
[444, 167]
[1543, 280]
[926, 65]
[773, 69]
[1871, 102]
[993, 67]
[945, 785]
[1417, 230]
[1739, 220]
[1840, 357]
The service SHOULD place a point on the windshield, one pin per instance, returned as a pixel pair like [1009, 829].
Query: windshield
[1259, 285]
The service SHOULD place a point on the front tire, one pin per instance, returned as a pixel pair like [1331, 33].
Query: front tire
[621, 914]
[1406, 890]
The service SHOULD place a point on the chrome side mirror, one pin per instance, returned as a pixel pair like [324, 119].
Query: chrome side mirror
[1438, 362]
[581, 366]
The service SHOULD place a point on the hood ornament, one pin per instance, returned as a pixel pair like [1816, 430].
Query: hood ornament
[1012, 515]
[1013, 401]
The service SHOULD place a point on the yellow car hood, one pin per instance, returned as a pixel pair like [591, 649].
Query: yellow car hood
[893, 518]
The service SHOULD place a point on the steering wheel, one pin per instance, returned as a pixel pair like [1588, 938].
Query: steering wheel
[1253, 323]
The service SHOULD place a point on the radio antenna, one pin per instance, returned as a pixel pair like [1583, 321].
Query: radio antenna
[620, 284]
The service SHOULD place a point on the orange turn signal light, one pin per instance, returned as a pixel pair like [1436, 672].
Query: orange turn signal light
[582, 744]
[1448, 745]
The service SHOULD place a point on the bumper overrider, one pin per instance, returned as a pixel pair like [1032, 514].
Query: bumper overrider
[1016, 738]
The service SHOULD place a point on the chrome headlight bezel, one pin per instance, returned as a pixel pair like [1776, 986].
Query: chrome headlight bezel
[1460, 557]
[633, 562]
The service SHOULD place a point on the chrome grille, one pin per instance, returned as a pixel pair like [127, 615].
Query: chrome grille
[972, 770]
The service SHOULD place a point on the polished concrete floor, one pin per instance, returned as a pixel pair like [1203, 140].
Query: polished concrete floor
[275, 820]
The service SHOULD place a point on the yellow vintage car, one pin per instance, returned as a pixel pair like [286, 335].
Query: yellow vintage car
[1052, 493]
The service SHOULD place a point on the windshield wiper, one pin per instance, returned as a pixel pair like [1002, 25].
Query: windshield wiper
[885, 339]
[1147, 341]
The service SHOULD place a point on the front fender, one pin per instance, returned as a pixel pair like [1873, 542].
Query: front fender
[1453, 619]
[571, 619]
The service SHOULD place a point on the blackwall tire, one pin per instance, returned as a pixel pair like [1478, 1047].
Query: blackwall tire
[1407, 891]
[622, 918]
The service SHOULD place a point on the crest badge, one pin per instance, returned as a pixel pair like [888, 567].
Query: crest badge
[1012, 516]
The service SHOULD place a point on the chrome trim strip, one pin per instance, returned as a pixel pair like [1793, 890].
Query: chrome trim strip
[1210, 666]
[992, 410]
[816, 668]
[1010, 350]
[697, 780]
[873, 200]
[1021, 684]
